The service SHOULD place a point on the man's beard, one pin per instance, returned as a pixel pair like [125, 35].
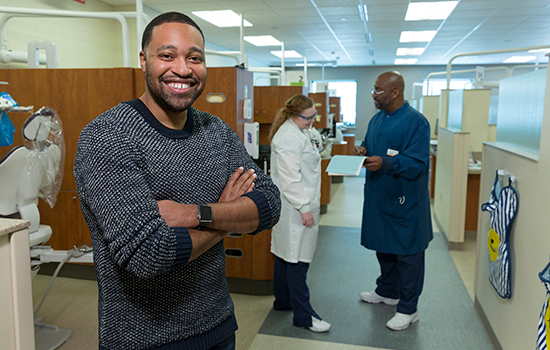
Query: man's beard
[382, 104]
[166, 100]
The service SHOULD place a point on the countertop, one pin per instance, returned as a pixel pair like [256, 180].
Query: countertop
[8, 226]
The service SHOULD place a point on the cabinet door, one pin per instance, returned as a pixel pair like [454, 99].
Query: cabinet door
[238, 256]
[325, 182]
[263, 260]
[334, 103]
[321, 103]
[66, 221]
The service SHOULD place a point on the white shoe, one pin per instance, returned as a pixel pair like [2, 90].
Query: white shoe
[401, 321]
[319, 326]
[373, 298]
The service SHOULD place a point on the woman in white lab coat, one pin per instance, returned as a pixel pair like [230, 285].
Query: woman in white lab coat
[296, 170]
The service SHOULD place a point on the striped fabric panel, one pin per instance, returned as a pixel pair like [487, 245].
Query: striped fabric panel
[502, 213]
[542, 331]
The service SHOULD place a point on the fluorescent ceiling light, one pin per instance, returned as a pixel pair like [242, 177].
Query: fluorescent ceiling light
[418, 36]
[309, 64]
[539, 50]
[263, 40]
[415, 51]
[519, 59]
[288, 54]
[405, 61]
[224, 18]
[421, 11]
[363, 13]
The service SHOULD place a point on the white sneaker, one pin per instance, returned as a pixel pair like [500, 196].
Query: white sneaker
[401, 321]
[319, 326]
[373, 298]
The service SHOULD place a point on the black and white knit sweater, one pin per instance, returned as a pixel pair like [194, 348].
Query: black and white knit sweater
[150, 295]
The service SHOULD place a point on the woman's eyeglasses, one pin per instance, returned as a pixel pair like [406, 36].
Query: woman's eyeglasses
[309, 118]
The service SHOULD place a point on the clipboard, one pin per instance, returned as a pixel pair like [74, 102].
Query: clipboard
[345, 165]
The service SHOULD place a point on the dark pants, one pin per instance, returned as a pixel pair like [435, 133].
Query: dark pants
[402, 277]
[291, 291]
[228, 344]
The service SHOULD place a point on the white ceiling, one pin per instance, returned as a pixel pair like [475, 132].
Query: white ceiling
[473, 26]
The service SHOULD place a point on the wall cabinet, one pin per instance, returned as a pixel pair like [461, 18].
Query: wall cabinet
[267, 101]
[334, 103]
[322, 105]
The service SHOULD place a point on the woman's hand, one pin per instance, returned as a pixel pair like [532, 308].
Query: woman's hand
[307, 219]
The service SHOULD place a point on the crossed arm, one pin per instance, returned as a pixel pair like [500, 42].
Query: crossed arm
[232, 213]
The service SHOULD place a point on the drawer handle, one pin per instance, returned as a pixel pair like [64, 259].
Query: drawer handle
[234, 235]
[233, 253]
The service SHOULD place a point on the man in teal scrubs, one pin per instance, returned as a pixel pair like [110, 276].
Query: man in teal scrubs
[396, 212]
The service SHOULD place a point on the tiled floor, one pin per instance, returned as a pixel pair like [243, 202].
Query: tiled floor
[72, 303]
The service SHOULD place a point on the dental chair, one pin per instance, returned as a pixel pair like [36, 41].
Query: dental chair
[27, 173]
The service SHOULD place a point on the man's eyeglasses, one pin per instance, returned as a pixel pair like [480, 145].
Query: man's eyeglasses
[309, 118]
[377, 92]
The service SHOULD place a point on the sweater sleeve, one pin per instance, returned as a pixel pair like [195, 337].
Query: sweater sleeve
[265, 193]
[119, 204]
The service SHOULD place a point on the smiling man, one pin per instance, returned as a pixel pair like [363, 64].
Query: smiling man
[160, 184]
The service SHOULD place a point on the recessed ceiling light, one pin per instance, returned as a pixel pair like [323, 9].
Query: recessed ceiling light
[405, 61]
[343, 19]
[262, 40]
[519, 59]
[288, 54]
[421, 11]
[540, 50]
[363, 13]
[414, 51]
[417, 36]
[224, 18]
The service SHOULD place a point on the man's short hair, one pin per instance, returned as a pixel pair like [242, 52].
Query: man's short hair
[168, 17]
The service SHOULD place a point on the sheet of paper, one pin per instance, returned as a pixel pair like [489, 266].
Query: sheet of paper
[345, 165]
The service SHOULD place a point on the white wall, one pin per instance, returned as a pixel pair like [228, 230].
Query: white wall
[513, 322]
[81, 43]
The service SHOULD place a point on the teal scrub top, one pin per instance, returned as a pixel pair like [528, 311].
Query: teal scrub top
[396, 210]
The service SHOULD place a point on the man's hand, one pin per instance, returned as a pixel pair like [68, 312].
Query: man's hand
[186, 215]
[239, 183]
[307, 219]
[359, 151]
[178, 215]
[373, 163]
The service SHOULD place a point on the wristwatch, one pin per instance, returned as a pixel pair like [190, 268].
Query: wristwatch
[205, 215]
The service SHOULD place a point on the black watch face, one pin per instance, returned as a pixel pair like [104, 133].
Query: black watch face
[205, 212]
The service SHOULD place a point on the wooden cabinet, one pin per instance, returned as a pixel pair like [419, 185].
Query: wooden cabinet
[334, 103]
[78, 96]
[322, 105]
[350, 139]
[249, 257]
[267, 101]
[66, 220]
[325, 185]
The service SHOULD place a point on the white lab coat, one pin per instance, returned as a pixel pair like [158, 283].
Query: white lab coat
[296, 170]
